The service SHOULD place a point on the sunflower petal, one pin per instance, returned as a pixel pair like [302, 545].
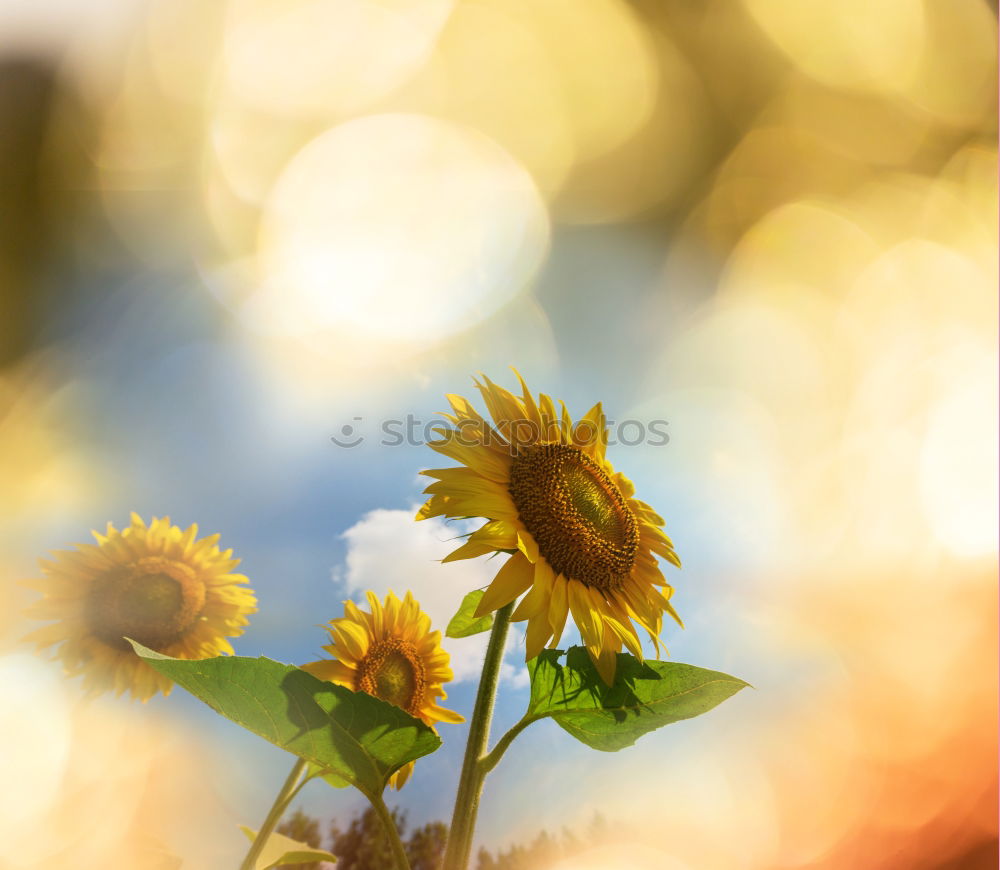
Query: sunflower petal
[434, 507]
[549, 418]
[492, 464]
[468, 550]
[558, 608]
[504, 405]
[669, 608]
[528, 401]
[538, 596]
[566, 425]
[537, 635]
[605, 660]
[399, 778]
[499, 534]
[511, 580]
[443, 715]
[585, 615]
[590, 433]
[626, 634]
[527, 545]
[332, 671]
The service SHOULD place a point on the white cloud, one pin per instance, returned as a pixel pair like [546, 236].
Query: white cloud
[387, 549]
[516, 675]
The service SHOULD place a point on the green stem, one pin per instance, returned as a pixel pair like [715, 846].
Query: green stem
[284, 797]
[492, 759]
[398, 851]
[470, 783]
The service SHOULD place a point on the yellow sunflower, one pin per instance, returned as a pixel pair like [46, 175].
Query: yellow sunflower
[580, 541]
[390, 653]
[157, 584]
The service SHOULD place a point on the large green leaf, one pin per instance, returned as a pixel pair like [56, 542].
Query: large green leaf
[352, 735]
[465, 623]
[644, 697]
[280, 850]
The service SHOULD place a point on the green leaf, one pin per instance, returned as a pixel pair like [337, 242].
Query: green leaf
[465, 623]
[280, 850]
[353, 736]
[644, 697]
[324, 773]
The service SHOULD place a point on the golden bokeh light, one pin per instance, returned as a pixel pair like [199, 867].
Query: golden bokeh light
[557, 84]
[956, 78]
[776, 259]
[97, 786]
[491, 70]
[871, 128]
[653, 168]
[246, 153]
[45, 472]
[769, 167]
[606, 66]
[621, 856]
[180, 41]
[853, 44]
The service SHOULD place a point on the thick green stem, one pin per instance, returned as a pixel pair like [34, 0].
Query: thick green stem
[470, 783]
[284, 797]
[398, 851]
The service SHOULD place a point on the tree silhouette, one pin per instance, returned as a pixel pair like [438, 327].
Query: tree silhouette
[363, 845]
[425, 848]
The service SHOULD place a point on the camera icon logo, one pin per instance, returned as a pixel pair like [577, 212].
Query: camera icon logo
[350, 434]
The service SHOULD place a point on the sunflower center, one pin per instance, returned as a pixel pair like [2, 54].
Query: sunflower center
[154, 600]
[392, 670]
[575, 512]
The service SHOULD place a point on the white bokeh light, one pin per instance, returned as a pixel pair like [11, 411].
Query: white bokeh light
[35, 771]
[314, 57]
[396, 227]
[958, 463]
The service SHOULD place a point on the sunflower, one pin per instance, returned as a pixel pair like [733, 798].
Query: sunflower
[579, 541]
[157, 584]
[390, 653]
